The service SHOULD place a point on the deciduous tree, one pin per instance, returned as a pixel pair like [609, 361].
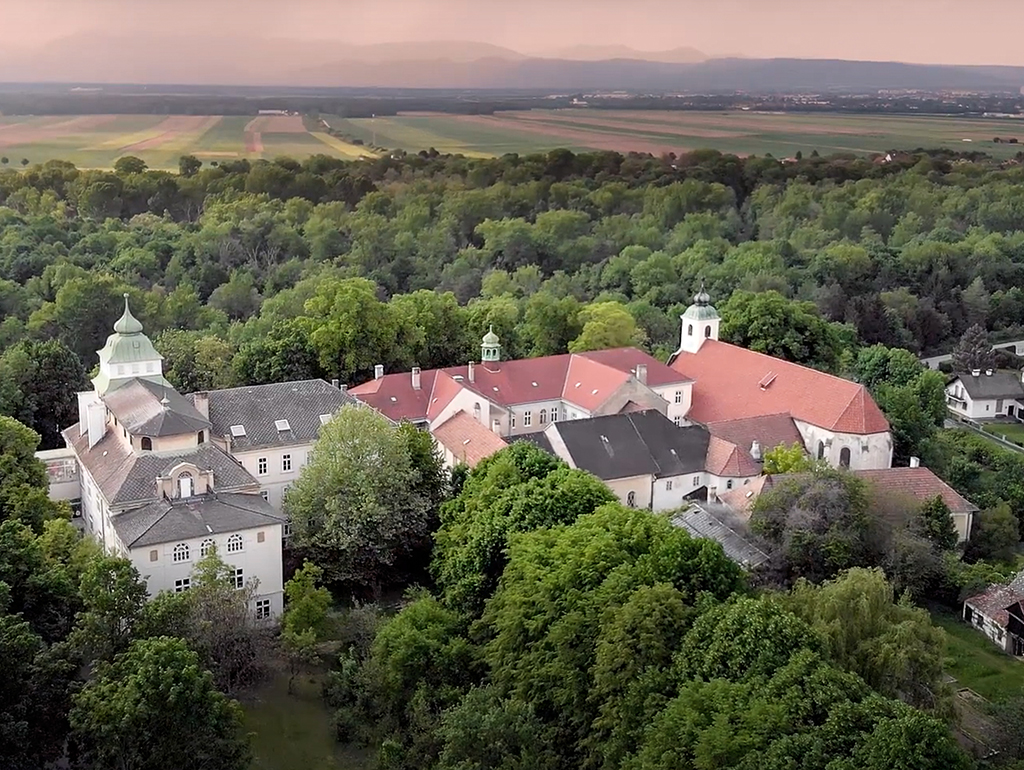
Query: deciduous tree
[155, 707]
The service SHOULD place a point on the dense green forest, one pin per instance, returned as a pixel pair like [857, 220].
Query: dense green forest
[557, 629]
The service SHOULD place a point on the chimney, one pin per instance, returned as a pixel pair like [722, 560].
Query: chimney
[378, 371]
[415, 378]
[915, 462]
[343, 388]
[641, 373]
[202, 403]
[227, 443]
[975, 372]
[334, 382]
[988, 372]
[755, 451]
[471, 373]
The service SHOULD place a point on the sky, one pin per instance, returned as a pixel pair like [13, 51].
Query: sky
[927, 31]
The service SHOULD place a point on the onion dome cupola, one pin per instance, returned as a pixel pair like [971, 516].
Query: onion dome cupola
[490, 348]
[700, 322]
[128, 354]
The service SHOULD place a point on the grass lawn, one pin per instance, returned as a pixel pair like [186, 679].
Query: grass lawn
[977, 663]
[1012, 431]
[293, 731]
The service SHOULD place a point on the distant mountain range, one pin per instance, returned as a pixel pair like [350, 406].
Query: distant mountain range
[226, 60]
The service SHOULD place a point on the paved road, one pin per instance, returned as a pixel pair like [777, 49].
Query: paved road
[934, 361]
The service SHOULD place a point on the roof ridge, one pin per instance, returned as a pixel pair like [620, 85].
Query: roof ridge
[860, 392]
[153, 523]
[643, 441]
[261, 385]
[232, 504]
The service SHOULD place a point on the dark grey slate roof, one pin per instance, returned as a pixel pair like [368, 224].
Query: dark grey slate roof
[168, 521]
[708, 525]
[537, 438]
[125, 477]
[634, 444]
[258, 407]
[1000, 384]
[150, 409]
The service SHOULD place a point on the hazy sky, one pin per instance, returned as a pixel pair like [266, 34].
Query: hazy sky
[937, 31]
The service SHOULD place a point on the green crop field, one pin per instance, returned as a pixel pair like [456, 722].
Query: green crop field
[96, 141]
[743, 133]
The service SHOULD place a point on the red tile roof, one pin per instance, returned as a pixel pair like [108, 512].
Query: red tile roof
[994, 601]
[769, 431]
[515, 382]
[467, 439]
[728, 460]
[741, 499]
[588, 384]
[732, 383]
[920, 483]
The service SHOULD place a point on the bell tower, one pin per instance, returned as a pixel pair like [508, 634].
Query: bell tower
[490, 348]
[700, 322]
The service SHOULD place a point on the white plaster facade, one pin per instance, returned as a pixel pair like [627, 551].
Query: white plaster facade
[847, 450]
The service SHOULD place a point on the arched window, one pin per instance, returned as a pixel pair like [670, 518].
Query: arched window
[689, 330]
[844, 457]
[180, 553]
[207, 547]
[235, 544]
[707, 332]
[185, 486]
[476, 412]
[821, 450]
[631, 499]
[147, 443]
[543, 416]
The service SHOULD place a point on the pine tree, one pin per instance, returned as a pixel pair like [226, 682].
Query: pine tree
[973, 351]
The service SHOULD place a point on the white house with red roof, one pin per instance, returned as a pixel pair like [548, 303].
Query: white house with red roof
[749, 402]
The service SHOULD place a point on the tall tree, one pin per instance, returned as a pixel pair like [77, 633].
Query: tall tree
[154, 707]
[358, 510]
[39, 383]
[973, 351]
[606, 325]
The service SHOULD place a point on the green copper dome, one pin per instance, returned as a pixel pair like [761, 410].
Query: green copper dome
[491, 338]
[701, 309]
[127, 323]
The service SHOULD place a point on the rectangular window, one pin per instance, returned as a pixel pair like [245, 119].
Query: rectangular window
[513, 423]
[668, 485]
[679, 396]
[261, 466]
[265, 494]
[154, 555]
[286, 530]
[696, 481]
[262, 609]
[182, 585]
[527, 419]
[286, 463]
[677, 421]
[238, 579]
[261, 536]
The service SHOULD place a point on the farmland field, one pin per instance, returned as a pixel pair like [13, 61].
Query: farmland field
[96, 141]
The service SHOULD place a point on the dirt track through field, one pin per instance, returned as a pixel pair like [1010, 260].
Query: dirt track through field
[171, 129]
[575, 137]
[651, 127]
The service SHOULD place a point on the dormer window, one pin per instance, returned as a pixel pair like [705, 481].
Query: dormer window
[185, 485]
[146, 443]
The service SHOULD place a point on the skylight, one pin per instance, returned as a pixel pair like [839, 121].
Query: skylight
[237, 430]
[593, 392]
[282, 425]
[324, 419]
[534, 384]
